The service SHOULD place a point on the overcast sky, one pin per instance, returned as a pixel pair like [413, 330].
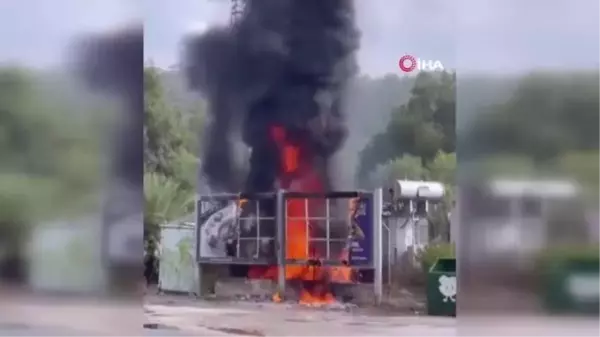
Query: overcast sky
[487, 35]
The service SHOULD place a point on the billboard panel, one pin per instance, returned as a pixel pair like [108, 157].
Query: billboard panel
[361, 252]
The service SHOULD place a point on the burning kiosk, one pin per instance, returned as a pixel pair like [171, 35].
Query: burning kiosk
[294, 242]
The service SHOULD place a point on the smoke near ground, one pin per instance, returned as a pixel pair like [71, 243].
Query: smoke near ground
[286, 63]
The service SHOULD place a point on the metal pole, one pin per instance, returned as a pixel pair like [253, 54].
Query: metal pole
[280, 215]
[198, 208]
[239, 230]
[387, 229]
[390, 256]
[257, 228]
[377, 245]
[307, 228]
[327, 230]
[197, 211]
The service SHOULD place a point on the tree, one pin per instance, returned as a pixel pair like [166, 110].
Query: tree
[405, 167]
[583, 167]
[164, 201]
[443, 168]
[421, 127]
[171, 146]
[50, 150]
[548, 115]
[50, 155]
[164, 133]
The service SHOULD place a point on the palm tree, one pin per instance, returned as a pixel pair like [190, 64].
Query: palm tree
[165, 200]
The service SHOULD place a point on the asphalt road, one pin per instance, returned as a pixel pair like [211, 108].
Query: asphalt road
[252, 319]
[181, 316]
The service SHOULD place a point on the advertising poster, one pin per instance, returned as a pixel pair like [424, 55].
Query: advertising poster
[215, 227]
[361, 252]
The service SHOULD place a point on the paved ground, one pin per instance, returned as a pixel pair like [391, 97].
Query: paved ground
[270, 319]
[183, 316]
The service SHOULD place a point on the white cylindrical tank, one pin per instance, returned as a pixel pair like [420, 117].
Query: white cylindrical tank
[410, 189]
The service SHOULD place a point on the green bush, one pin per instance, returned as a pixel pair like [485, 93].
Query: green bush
[428, 255]
[565, 254]
[579, 252]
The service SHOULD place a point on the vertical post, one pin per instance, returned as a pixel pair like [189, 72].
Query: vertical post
[413, 228]
[257, 228]
[390, 256]
[198, 209]
[378, 245]
[307, 228]
[280, 225]
[327, 230]
[238, 230]
[386, 227]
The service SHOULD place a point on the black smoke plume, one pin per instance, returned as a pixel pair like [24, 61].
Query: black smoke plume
[285, 62]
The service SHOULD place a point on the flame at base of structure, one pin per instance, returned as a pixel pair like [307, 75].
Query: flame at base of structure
[299, 175]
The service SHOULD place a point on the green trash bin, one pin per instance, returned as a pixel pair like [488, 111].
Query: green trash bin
[571, 286]
[441, 288]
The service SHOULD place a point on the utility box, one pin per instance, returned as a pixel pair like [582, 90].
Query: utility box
[441, 288]
[178, 271]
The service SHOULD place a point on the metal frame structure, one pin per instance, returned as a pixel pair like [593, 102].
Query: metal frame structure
[391, 228]
[280, 199]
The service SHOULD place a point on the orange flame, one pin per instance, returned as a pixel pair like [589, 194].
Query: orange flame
[290, 154]
[305, 179]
